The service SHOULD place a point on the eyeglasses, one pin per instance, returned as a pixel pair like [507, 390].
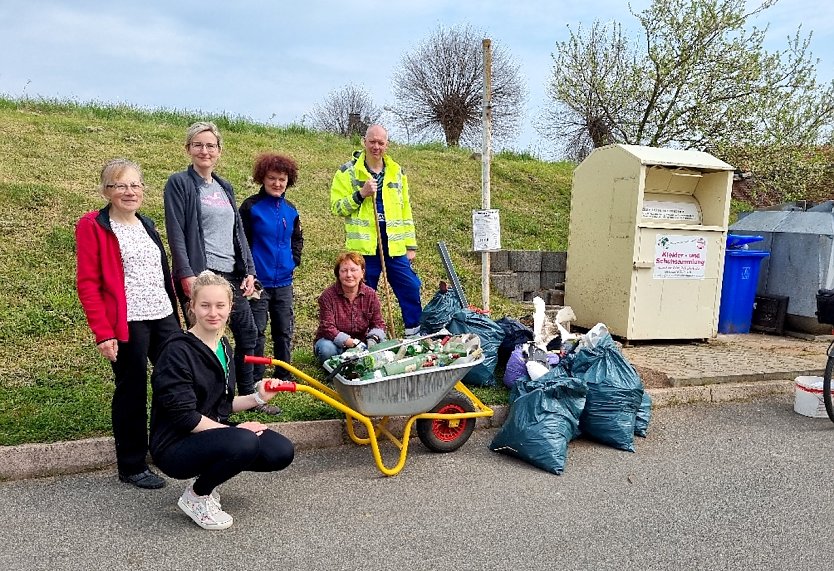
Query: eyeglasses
[122, 187]
[210, 147]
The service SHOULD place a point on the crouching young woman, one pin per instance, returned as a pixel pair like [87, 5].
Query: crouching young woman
[193, 396]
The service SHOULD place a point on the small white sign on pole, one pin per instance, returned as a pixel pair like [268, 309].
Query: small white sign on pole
[486, 230]
[680, 257]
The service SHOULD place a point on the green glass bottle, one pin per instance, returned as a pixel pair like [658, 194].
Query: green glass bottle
[407, 365]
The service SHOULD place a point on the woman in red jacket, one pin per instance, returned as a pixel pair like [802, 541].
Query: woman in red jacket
[124, 285]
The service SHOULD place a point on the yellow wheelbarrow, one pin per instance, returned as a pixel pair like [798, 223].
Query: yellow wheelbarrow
[442, 407]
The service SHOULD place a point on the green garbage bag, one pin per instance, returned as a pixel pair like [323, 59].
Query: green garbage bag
[644, 415]
[439, 311]
[490, 333]
[543, 419]
[615, 392]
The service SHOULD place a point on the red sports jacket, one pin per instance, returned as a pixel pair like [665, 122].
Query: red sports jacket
[100, 277]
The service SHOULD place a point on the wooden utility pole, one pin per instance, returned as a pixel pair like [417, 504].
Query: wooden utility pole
[486, 158]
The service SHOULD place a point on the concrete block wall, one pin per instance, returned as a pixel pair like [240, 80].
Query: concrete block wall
[525, 274]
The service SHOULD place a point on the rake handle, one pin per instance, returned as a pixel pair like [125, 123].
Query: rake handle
[384, 270]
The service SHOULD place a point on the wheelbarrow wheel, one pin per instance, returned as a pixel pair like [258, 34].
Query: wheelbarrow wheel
[447, 435]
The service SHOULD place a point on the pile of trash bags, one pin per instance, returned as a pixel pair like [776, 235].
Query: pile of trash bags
[562, 385]
[587, 388]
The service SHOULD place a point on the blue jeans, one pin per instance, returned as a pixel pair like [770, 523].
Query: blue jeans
[275, 307]
[324, 349]
[404, 282]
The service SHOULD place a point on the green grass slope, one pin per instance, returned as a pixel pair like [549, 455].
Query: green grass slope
[53, 383]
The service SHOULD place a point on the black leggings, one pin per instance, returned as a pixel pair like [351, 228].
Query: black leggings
[219, 454]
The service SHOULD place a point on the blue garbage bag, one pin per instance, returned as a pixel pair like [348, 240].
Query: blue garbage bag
[615, 392]
[439, 311]
[491, 335]
[644, 415]
[543, 419]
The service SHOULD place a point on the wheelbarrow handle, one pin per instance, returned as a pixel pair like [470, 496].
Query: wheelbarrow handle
[270, 385]
[275, 385]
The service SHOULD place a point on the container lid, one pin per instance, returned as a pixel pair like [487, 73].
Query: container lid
[747, 254]
[737, 241]
[809, 383]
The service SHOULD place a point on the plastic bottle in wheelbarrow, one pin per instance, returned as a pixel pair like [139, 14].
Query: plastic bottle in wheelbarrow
[741, 279]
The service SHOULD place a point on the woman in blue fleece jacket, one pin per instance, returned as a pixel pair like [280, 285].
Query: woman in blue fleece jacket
[273, 230]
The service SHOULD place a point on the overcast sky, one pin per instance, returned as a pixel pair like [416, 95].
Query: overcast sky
[274, 61]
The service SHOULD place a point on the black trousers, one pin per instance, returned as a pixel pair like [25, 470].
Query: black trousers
[274, 306]
[219, 454]
[129, 408]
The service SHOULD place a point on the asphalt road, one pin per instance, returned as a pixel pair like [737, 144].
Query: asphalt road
[733, 486]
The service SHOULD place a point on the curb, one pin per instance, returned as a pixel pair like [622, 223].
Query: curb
[59, 458]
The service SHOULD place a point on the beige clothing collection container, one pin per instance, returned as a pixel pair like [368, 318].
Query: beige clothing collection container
[647, 236]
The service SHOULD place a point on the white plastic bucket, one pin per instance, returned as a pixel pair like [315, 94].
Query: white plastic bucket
[808, 397]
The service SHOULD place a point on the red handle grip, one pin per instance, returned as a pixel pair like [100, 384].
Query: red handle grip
[257, 360]
[274, 385]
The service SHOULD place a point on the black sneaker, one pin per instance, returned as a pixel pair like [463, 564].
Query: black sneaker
[268, 409]
[146, 480]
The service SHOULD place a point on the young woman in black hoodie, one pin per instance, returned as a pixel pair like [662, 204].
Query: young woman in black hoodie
[193, 396]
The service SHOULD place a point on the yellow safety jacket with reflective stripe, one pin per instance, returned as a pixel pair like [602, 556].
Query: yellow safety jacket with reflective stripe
[358, 214]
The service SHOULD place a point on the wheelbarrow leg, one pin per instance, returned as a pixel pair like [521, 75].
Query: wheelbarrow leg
[403, 449]
[352, 431]
[374, 431]
[382, 428]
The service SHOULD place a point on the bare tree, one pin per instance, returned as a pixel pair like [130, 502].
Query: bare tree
[695, 79]
[346, 111]
[438, 88]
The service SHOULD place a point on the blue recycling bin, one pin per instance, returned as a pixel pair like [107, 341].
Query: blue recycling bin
[741, 279]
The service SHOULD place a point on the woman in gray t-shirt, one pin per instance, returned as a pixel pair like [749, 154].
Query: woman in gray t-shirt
[205, 233]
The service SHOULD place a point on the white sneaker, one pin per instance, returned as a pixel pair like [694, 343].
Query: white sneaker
[204, 510]
[215, 493]
[411, 333]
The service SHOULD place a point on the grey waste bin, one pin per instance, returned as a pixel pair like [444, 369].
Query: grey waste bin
[801, 262]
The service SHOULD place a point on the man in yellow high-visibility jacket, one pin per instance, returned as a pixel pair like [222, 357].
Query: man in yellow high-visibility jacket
[372, 177]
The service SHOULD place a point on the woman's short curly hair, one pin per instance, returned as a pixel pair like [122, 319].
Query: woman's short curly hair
[275, 162]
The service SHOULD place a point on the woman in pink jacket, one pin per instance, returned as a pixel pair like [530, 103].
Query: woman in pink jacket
[124, 285]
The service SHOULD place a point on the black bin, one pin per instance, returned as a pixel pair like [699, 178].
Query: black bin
[825, 306]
